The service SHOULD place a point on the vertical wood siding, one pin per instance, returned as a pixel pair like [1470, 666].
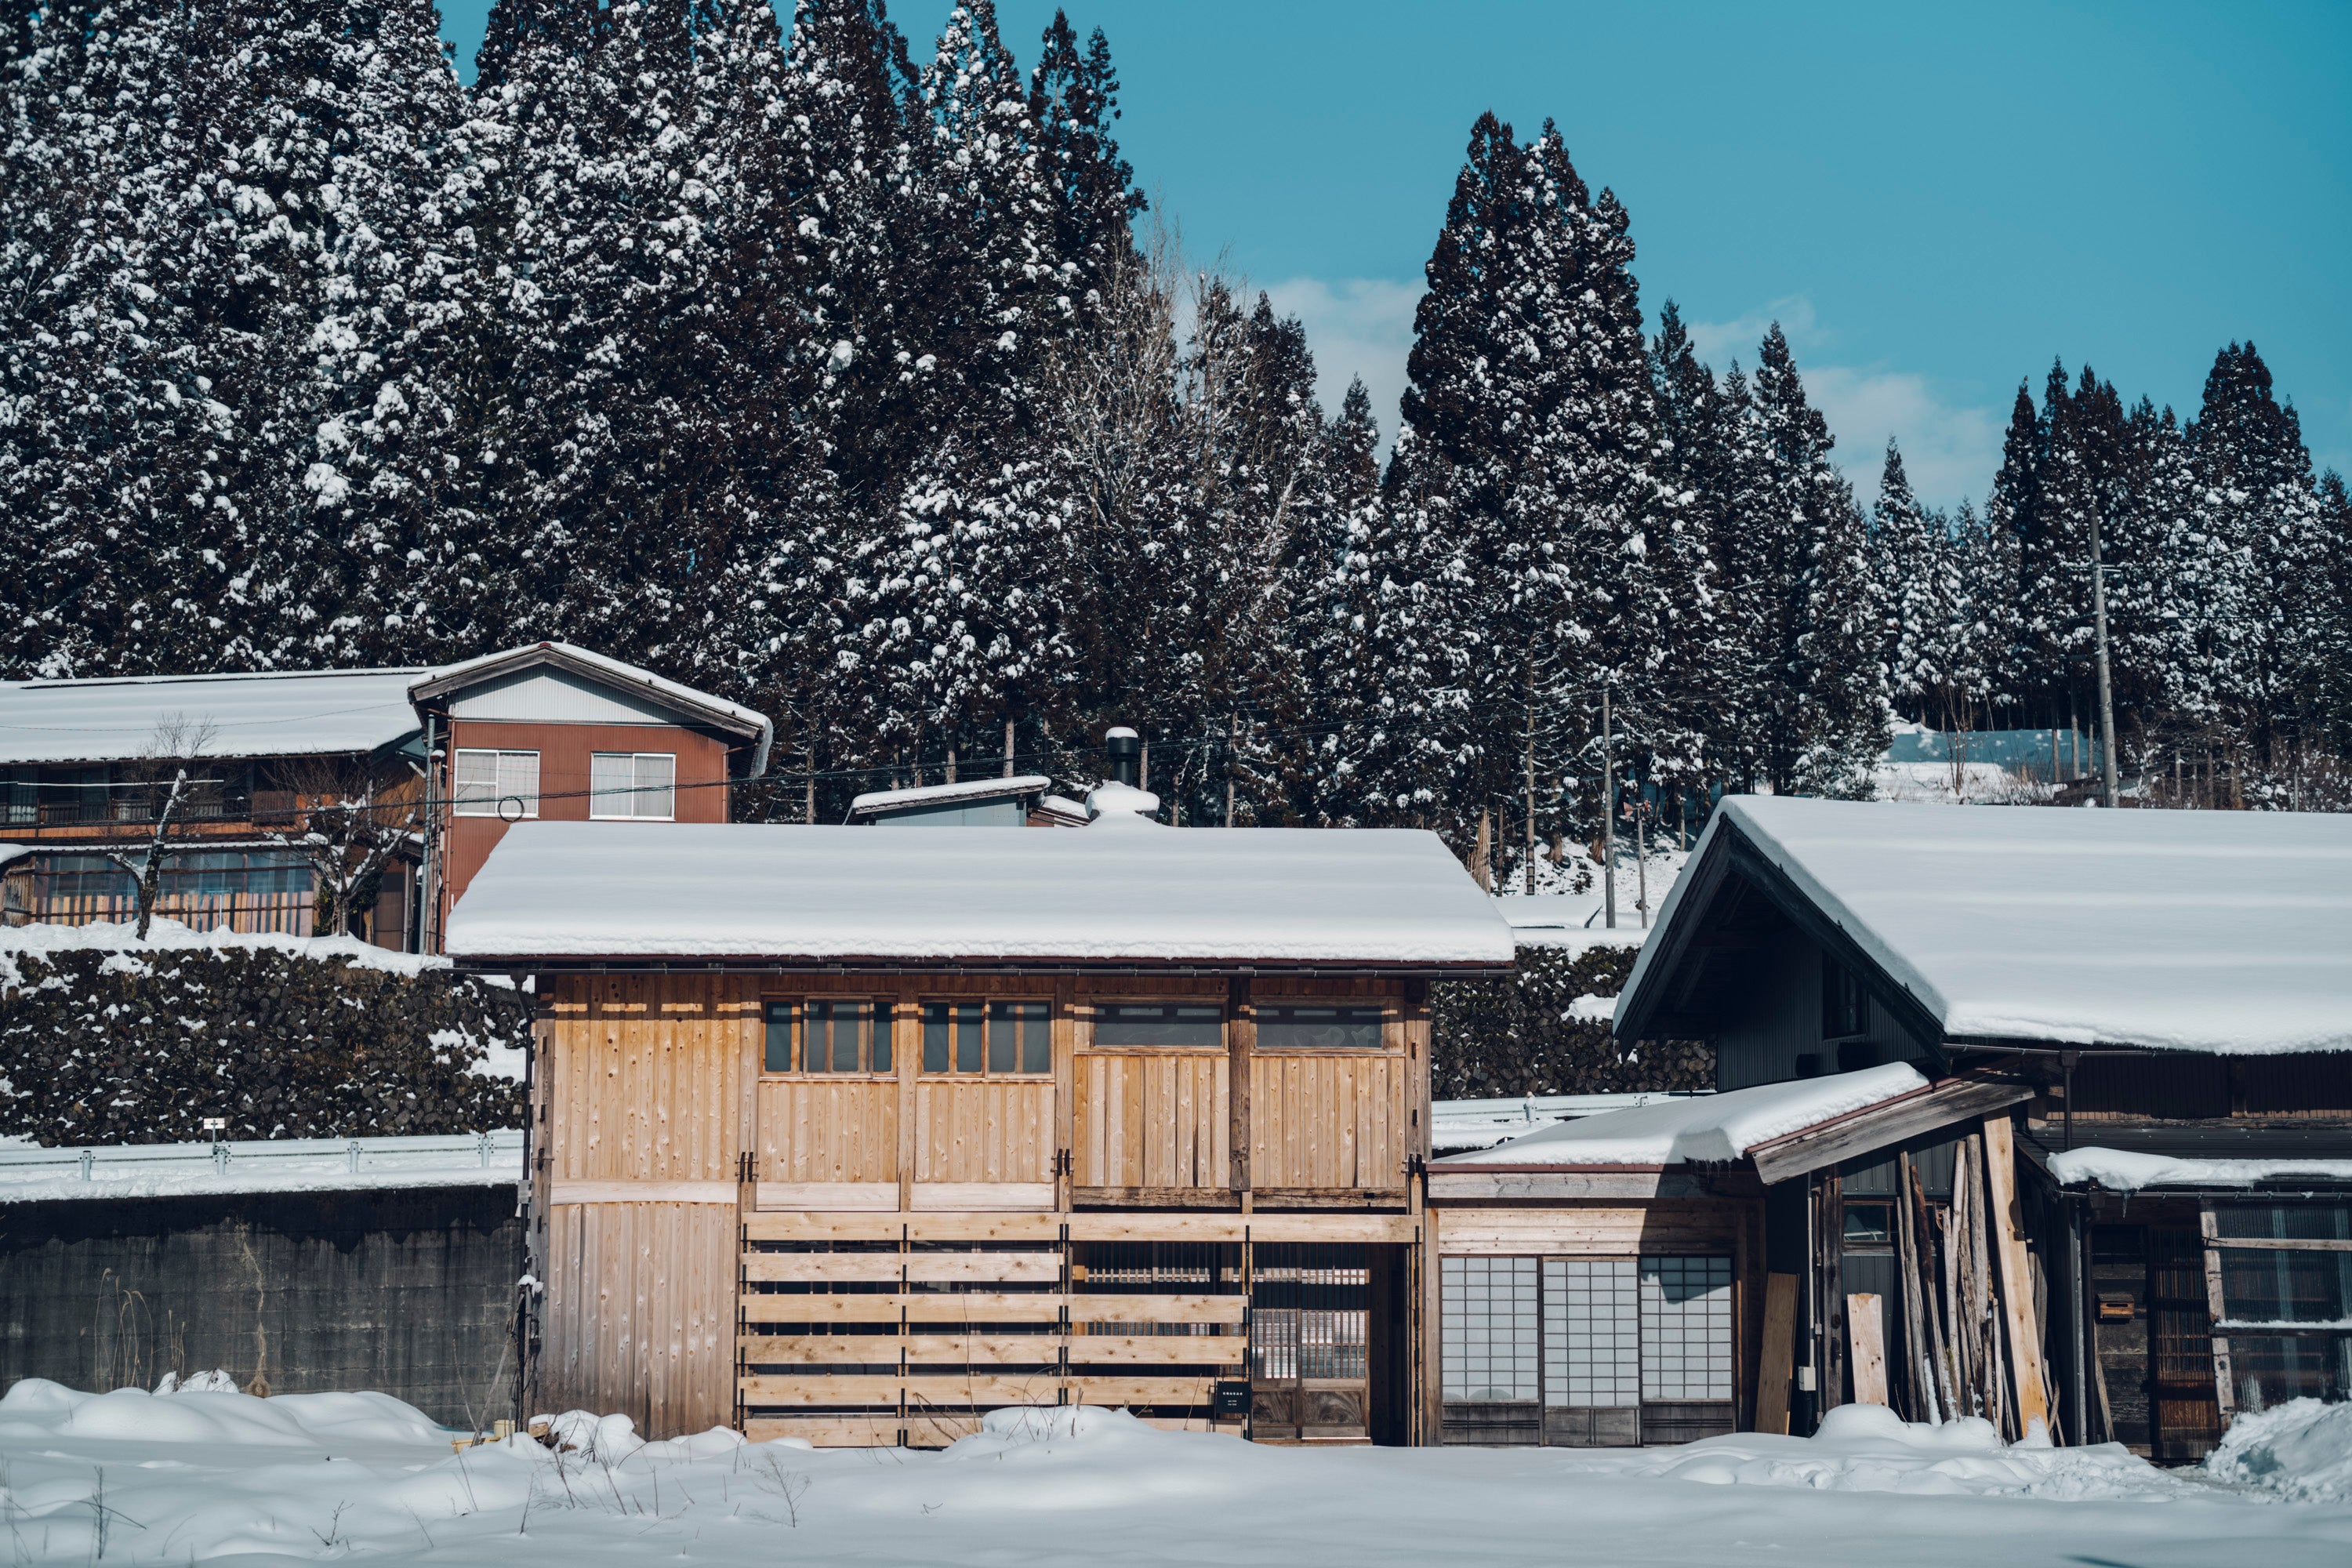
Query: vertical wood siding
[1151, 1119]
[984, 1131]
[815, 1130]
[1327, 1120]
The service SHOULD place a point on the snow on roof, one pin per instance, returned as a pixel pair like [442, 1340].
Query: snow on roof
[273, 1165]
[2201, 931]
[749, 722]
[14, 852]
[1482, 1123]
[1569, 920]
[2128, 1170]
[1711, 1129]
[1120, 891]
[290, 713]
[931, 794]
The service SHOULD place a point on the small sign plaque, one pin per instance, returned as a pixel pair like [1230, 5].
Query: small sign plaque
[215, 1123]
[1232, 1400]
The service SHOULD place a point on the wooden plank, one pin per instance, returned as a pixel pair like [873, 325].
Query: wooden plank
[1159, 1350]
[1773, 1371]
[1088, 1308]
[1156, 1197]
[760, 1307]
[1605, 1232]
[860, 1196]
[819, 1388]
[981, 1349]
[2016, 1275]
[964, 1197]
[643, 1193]
[1115, 1391]
[827, 1431]
[984, 1307]
[820, 1349]
[1028, 1268]
[1882, 1126]
[1868, 1336]
[2277, 1243]
[1339, 1227]
[770, 1266]
[1241, 1041]
[851, 1226]
[962, 1390]
[2225, 1383]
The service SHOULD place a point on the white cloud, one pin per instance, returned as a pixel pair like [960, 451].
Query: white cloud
[1950, 449]
[1355, 326]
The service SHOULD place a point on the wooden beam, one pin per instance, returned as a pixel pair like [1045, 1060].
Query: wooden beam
[1395, 1230]
[1088, 1308]
[2016, 1275]
[2225, 1381]
[1866, 1334]
[1158, 1197]
[827, 1196]
[1159, 1350]
[1879, 1126]
[1141, 1390]
[643, 1193]
[1241, 1040]
[1773, 1370]
[968, 1197]
[827, 1431]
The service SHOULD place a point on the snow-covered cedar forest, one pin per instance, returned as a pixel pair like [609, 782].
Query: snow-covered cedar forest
[854, 382]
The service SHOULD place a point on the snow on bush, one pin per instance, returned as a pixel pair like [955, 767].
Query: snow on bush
[2301, 1450]
[105, 1039]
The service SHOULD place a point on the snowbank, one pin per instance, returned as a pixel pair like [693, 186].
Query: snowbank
[1123, 890]
[189, 1477]
[171, 936]
[2203, 930]
[1711, 1129]
[2300, 1451]
[2126, 1170]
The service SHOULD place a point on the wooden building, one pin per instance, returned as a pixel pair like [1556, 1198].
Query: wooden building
[857, 1135]
[2043, 1116]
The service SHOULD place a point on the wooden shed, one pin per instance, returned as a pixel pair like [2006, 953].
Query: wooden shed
[855, 1135]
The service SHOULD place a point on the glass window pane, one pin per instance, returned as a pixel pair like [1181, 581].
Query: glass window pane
[1036, 1038]
[609, 776]
[838, 1030]
[476, 783]
[1490, 1329]
[779, 1037]
[1316, 1025]
[878, 1046]
[967, 1028]
[1869, 1225]
[656, 780]
[1019, 1037]
[1686, 1328]
[1158, 1024]
[935, 1037]
[1003, 1039]
[2276, 1285]
[2295, 1222]
[518, 782]
[2270, 1372]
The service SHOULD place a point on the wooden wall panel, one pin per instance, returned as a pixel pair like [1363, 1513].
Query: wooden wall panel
[819, 1130]
[1594, 1230]
[648, 1070]
[1154, 1119]
[1327, 1120]
[984, 1131]
[640, 1314]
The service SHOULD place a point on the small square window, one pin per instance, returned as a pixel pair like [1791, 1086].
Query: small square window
[1159, 1024]
[1020, 1037]
[496, 783]
[1869, 1225]
[633, 786]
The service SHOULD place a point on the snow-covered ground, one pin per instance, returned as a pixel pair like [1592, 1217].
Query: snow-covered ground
[191, 1477]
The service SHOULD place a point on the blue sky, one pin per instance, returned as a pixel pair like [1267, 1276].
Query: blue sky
[1933, 201]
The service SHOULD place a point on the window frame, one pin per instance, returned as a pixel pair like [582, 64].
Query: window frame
[635, 792]
[1385, 1006]
[883, 1021]
[983, 1073]
[457, 804]
[1098, 1006]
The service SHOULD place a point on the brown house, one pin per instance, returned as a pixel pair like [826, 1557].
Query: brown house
[854, 1135]
[553, 733]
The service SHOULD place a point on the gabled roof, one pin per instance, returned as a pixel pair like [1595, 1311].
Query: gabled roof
[1121, 892]
[2216, 932]
[968, 790]
[308, 712]
[696, 707]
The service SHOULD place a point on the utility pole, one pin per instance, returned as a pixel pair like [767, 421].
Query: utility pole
[1530, 877]
[1233, 741]
[1608, 820]
[2106, 686]
[1008, 748]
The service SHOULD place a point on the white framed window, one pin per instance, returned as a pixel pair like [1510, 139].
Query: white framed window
[496, 783]
[633, 786]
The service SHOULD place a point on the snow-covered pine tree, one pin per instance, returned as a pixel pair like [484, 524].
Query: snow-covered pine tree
[1074, 101]
[2010, 516]
[1914, 549]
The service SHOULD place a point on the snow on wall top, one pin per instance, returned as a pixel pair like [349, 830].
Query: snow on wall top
[2215, 931]
[29, 1175]
[1713, 1129]
[1111, 892]
[170, 936]
[2130, 1171]
[969, 789]
[303, 713]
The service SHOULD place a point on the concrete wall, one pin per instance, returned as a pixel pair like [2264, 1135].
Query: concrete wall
[410, 1292]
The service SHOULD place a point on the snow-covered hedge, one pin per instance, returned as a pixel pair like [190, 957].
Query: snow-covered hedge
[104, 1039]
[1529, 1034]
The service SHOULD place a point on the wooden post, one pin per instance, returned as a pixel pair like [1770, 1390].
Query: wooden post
[1868, 1336]
[2225, 1383]
[1241, 1041]
[1772, 1370]
[2026, 1380]
[906, 1054]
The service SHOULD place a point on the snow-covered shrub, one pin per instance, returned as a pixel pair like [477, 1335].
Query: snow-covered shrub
[1527, 1035]
[125, 1043]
